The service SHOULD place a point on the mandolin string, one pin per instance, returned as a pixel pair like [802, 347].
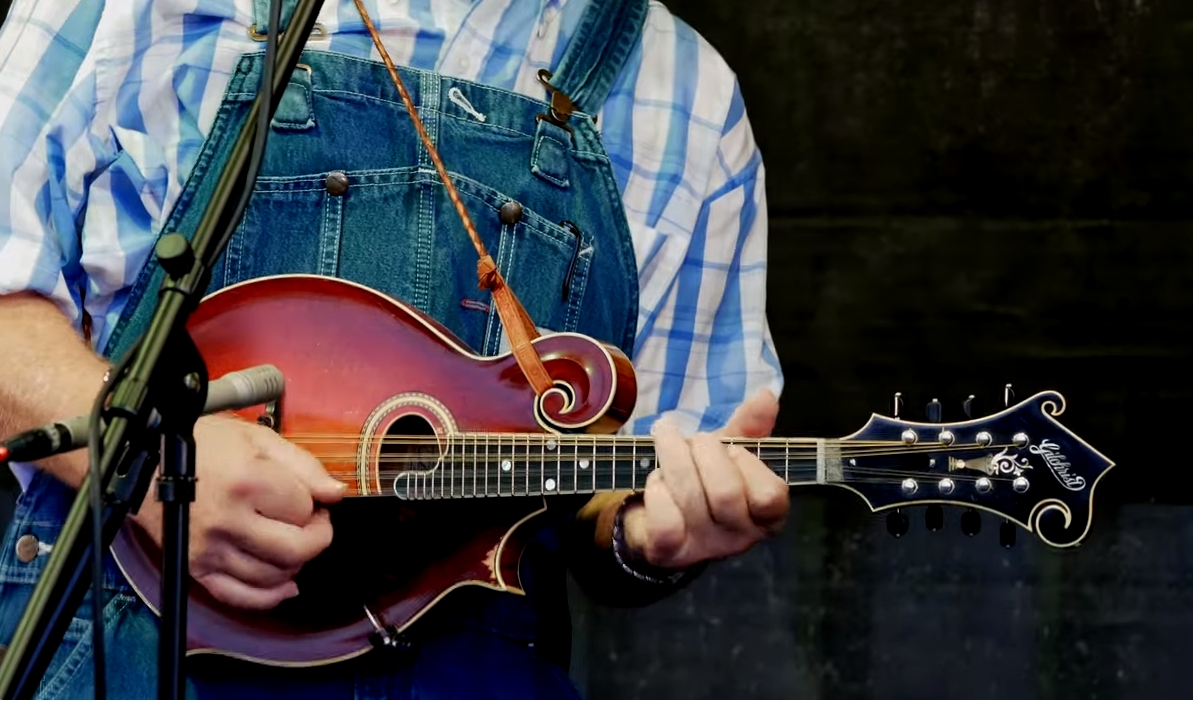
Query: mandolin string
[771, 453]
[602, 472]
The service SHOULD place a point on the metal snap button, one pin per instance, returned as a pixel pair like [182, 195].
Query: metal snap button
[336, 183]
[27, 548]
[510, 213]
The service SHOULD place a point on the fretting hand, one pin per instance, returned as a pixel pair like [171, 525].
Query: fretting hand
[708, 500]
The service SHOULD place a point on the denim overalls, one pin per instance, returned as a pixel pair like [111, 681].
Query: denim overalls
[348, 190]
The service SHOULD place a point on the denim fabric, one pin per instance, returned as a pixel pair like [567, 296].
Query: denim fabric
[394, 229]
[130, 632]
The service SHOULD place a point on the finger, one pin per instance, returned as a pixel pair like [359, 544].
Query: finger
[724, 487]
[753, 419]
[277, 494]
[679, 473]
[283, 544]
[768, 497]
[666, 530]
[243, 567]
[325, 489]
[236, 593]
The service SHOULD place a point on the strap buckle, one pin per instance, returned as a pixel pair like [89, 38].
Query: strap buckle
[562, 107]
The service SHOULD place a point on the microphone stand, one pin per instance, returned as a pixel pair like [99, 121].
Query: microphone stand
[165, 372]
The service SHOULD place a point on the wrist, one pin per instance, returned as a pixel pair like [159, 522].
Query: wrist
[629, 545]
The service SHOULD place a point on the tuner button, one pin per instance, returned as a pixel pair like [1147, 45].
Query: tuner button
[946, 438]
[910, 437]
[1006, 534]
[984, 485]
[1020, 440]
[897, 523]
[971, 523]
[984, 439]
[1020, 484]
[909, 486]
[934, 411]
[947, 486]
[934, 518]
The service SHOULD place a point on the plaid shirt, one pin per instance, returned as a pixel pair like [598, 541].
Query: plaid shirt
[85, 85]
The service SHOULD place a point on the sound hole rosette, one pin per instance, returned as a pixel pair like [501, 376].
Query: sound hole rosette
[417, 415]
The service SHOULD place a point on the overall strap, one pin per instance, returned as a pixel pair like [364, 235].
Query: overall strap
[261, 15]
[607, 36]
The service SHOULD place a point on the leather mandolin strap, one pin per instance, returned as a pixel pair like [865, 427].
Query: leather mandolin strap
[518, 326]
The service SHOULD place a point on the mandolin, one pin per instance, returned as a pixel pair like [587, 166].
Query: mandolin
[449, 458]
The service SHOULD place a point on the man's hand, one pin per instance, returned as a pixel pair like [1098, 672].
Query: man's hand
[256, 518]
[707, 500]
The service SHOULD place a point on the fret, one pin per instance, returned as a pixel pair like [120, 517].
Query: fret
[543, 462]
[604, 465]
[565, 483]
[575, 469]
[474, 448]
[534, 482]
[625, 461]
[487, 463]
[787, 462]
[592, 466]
[444, 468]
[633, 464]
[502, 470]
[526, 461]
[450, 476]
[463, 462]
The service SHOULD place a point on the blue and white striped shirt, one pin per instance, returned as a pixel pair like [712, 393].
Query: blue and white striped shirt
[104, 108]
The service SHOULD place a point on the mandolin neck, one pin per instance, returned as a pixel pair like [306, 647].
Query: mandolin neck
[491, 465]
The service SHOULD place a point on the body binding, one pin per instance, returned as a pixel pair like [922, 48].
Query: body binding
[356, 364]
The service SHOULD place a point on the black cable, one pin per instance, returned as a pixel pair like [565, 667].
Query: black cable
[94, 448]
[94, 437]
[263, 119]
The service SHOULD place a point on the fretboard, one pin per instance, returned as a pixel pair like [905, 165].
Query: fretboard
[520, 465]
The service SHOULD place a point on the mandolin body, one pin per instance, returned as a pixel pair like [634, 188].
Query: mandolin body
[359, 365]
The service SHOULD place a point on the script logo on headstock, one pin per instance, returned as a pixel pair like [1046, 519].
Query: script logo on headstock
[1059, 464]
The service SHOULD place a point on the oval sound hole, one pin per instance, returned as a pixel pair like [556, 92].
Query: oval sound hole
[409, 456]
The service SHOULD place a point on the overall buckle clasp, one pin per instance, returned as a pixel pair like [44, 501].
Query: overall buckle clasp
[562, 107]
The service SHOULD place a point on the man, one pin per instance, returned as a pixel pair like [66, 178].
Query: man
[115, 119]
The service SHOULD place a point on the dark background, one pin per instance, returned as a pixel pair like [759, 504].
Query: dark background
[963, 194]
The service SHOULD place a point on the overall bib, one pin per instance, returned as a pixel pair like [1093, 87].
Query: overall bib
[347, 189]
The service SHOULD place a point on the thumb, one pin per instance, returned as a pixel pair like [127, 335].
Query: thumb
[325, 489]
[755, 418]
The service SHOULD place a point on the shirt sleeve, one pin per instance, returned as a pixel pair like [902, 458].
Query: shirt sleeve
[709, 348]
[50, 145]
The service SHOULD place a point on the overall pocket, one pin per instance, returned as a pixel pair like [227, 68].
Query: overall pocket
[396, 231]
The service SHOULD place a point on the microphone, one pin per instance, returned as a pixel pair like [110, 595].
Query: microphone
[236, 390]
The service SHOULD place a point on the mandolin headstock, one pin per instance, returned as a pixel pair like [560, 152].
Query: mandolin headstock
[1020, 463]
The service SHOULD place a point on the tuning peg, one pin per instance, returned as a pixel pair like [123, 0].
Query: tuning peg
[968, 407]
[897, 523]
[898, 403]
[1006, 534]
[934, 518]
[1007, 395]
[971, 522]
[934, 411]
